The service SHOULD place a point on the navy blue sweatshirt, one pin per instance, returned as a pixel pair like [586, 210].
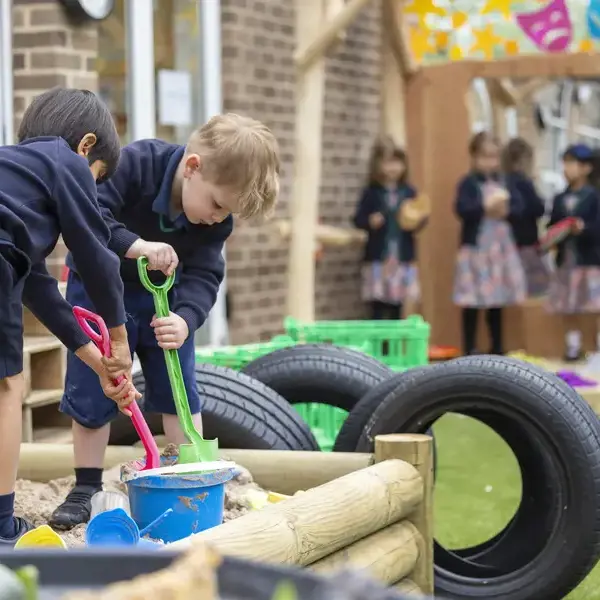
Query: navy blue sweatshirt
[587, 243]
[525, 225]
[135, 202]
[373, 200]
[47, 189]
[469, 205]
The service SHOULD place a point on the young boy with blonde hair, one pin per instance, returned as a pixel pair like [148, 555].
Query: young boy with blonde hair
[174, 205]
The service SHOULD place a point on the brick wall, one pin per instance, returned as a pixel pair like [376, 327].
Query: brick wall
[259, 79]
[48, 50]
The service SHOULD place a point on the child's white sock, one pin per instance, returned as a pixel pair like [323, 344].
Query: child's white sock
[573, 341]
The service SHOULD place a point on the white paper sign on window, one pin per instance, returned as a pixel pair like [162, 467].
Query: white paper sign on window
[174, 97]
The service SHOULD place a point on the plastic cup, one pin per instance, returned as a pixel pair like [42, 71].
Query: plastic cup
[41, 537]
[112, 528]
[104, 501]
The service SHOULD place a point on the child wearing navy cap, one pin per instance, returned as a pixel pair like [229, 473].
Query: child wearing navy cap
[172, 204]
[575, 284]
[67, 141]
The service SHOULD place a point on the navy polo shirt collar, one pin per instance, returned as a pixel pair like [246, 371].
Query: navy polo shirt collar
[162, 201]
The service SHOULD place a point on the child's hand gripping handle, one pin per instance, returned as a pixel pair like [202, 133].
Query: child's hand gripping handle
[102, 340]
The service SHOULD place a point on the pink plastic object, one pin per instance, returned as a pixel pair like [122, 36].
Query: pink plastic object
[549, 28]
[102, 340]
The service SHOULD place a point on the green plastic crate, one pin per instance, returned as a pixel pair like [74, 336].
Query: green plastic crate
[237, 357]
[324, 421]
[400, 344]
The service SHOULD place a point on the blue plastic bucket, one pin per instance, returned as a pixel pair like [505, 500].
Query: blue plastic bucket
[197, 501]
[112, 528]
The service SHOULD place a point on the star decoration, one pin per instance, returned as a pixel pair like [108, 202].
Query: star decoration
[423, 8]
[441, 40]
[485, 41]
[420, 42]
[586, 46]
[511, 47]
[501, 6]
[455, 53]
[458, 20]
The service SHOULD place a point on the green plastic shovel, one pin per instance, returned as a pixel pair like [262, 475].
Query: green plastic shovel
[199, 450]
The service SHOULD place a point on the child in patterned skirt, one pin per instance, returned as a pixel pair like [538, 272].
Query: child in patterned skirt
[489, 273]
[517, 166]
[390, 276]
[575, 286]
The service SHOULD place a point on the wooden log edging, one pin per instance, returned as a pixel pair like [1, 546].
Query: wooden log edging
[282, 471]
[356, 510]
[377, 519]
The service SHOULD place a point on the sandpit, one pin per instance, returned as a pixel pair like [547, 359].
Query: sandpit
[36, 501]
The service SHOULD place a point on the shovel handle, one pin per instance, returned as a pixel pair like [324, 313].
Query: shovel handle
[101, 337]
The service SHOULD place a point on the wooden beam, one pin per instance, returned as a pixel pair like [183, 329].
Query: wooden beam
[497, 100]
[503, 90]
[315, 46]
[310, 91]
[393, 118]
[526, 89]
[395, 28]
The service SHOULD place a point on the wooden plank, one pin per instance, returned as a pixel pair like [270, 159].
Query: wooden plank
[43, 397]
[313, 45]
[53, 435]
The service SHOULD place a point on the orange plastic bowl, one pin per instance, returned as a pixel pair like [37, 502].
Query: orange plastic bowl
[443, 352]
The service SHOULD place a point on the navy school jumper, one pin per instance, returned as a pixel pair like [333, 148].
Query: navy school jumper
[47, 190]
[587, 243]
[135, 203]
[469, 205]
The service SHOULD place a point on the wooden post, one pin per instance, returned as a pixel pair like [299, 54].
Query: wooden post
[310, 90]
[392, 91]
[417, 450]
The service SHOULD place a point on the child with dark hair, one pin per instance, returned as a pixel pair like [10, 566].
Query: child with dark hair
[517, 165]
[67, 141]
[489, 274]
[390, 276]
[575, 285]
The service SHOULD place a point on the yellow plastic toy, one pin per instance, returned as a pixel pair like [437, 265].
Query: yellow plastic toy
[41, 537]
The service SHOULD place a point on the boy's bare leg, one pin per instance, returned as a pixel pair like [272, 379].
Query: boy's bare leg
[173, 431]
[89, 447]
[11, 397]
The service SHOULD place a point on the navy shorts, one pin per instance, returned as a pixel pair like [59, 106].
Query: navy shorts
[14, 267]
[83, 399]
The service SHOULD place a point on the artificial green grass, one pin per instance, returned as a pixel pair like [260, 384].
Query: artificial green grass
[478, 488]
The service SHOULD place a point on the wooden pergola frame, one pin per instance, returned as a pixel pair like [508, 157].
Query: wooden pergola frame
[437, 144]
[319, 23]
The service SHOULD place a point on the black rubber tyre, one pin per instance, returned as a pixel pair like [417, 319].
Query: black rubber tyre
[553, 541]
[244, 413]
[354, 425]
[319, 373]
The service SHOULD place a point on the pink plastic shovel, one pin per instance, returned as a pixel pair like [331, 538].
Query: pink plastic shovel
[102, 340]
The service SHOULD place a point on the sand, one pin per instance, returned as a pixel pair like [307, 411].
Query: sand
[36, 501]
